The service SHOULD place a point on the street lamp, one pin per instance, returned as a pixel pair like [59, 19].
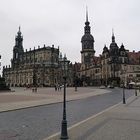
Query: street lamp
[135, 88]
[43, 75]
[52, 65]
[34, 71]
[124, 102]
[64, 133]
[124, 70]
[0, 65]
[76, 83]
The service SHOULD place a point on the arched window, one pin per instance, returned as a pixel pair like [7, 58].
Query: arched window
[16, 55]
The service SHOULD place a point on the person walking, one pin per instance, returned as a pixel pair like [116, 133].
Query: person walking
[55, 87]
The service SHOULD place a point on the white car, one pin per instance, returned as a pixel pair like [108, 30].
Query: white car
[102, 87]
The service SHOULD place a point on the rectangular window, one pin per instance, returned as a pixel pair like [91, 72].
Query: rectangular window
[138, 75]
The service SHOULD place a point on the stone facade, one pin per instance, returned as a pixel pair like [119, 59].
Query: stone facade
[45, 66]
[119, 65]
[114, 66]
[90, 70]
[37, 67]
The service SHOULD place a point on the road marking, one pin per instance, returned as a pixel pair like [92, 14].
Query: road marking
[54, 135]
[94, 116]
[79, 123]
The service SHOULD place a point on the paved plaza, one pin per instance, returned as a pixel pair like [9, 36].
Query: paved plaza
[20, 98]
[119, 122]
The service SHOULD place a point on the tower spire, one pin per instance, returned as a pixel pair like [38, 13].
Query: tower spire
[87, 27]
[113, 37]
[19, 38]
[19, 28]
[86, 14]
[112, 32]
[87, 22]
[19, 32]
[87, 41]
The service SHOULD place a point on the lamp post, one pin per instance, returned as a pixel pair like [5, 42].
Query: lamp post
[52, 66]
[124, 101]
[135, 88]
[106, 75]
[0, 65]
[76, 83]
[34, 72]
[64, 133]
[43, 75]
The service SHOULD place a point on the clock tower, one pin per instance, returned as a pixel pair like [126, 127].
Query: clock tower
[87, 40]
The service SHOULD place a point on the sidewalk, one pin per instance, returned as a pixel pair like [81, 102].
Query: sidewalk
[22, 98]
[120, 122]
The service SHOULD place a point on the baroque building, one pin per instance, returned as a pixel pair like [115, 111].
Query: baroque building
[44, 66]
[87, 41]
[37, 67]
[113, 61]
[89, 72]
[119, 65]
[114, 66]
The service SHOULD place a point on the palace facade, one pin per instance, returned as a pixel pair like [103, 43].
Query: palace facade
[37, 67]
[44, 66]
[116, 65]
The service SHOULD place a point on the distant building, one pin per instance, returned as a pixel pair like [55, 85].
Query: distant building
[113, 67]
[89, 72]
[114, 59]
[133, 69]
[44, 66]
[119, 65]
[87, 40]
[37, 67]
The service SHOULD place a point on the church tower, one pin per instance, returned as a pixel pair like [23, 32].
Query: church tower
[87, 41]
[113, 46]
[18, 48]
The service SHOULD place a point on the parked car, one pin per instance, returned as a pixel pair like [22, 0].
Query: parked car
[102, 87]
[110, 86]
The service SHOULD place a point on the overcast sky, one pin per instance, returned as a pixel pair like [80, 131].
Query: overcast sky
[61, 22]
